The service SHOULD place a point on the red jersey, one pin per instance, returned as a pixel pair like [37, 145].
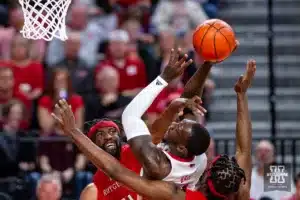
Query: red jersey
[132, 74]
[27, 78]
[194, 195]
[74, 100]
[109, 189]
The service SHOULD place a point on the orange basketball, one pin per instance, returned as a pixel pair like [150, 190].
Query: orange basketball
[214, 40]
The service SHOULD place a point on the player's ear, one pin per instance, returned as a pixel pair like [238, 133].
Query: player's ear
[182, 149]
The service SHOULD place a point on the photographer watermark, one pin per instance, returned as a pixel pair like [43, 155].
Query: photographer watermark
[277, 177]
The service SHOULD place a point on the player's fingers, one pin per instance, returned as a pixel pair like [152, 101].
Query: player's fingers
[241, 78]
[57, 119]
[186, 64]
[172, 55]
[198, 112]
[60, 110]
[197, 99]
[177, 54]
[182, 60]
[65, 105]
[199, 107]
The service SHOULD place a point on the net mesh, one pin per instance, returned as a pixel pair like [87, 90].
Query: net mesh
[44, 19]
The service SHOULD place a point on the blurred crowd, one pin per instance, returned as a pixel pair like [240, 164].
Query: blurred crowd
[114, 49]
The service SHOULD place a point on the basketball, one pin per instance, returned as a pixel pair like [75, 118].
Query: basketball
[214, 40]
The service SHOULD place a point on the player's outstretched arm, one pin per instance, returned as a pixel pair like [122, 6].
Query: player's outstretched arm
[244, 128]
[104, 161]
[154, 161]
[194, 87]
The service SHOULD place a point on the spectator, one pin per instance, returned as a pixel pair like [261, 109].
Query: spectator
[178, 16]
[59, 86]
[24, 68]
[16, 20]
[91, 35]
[61, 158]
[108, 102]
[141, 44]
[132, 71]
[16, 157]
[80, 74]
[49, 188]
[167, 41]
[264, 156]
[8, 93]
[296, 195]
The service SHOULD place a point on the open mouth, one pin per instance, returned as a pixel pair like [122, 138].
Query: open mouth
[110, 145]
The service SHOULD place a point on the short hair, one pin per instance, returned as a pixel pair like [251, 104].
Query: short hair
[199, 140]
[226, 175]
[49, 178]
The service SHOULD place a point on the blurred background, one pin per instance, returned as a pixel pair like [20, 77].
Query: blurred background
[115, 48]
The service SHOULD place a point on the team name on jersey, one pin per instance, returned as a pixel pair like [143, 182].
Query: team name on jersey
[111, 188]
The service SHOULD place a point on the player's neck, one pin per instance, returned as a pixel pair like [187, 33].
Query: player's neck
[176, 153]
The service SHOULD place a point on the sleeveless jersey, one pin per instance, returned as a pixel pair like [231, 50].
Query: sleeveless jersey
[185, 173]
[109, 189]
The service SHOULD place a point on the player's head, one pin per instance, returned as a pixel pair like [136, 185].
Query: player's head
[223, 177]
[187, 137]
[105, 133]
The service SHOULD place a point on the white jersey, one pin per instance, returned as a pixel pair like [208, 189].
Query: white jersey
[186, 173]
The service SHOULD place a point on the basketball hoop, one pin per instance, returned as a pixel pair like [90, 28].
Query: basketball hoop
[44, 20]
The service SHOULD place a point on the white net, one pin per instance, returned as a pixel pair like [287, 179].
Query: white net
[45, 20]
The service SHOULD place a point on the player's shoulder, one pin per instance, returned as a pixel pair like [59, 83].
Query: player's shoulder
[125, 149]
[89, 192]
[90, 187]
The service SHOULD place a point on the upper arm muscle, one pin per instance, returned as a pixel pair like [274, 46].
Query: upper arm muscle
[155, 163]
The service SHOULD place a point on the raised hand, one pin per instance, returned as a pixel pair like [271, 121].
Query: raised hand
[245, 80]
[194, 104]
[67, 121]
[176, 66]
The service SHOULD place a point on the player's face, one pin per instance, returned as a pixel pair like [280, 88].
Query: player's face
[179, 132]
[108, 139]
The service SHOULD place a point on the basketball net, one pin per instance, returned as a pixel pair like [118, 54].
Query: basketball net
[44, 20]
